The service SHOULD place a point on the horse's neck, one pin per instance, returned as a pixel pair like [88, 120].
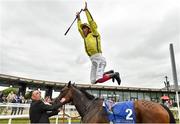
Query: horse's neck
[81, 102]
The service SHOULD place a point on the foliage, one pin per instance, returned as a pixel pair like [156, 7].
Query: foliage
[28, 95]
[8, 90]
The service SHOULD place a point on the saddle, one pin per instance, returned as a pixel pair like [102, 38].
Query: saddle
[120, 112]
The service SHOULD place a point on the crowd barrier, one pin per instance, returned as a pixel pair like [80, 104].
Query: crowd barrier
[68, 113]
[174, 110]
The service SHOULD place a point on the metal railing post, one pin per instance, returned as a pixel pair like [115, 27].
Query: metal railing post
[10, 119]
[57, 116]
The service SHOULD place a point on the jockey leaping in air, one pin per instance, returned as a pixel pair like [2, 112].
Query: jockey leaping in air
[92, 42]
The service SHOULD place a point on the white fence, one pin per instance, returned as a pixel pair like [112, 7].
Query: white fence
[70, 109]
[70, 112]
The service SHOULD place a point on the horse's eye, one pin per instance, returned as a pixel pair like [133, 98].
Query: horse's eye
[62, 91]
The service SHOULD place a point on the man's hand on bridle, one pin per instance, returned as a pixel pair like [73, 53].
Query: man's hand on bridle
[62, 100]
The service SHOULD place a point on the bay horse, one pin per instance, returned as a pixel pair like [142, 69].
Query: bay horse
[91, 110]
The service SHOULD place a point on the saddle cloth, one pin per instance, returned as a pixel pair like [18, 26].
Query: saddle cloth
[121, 112]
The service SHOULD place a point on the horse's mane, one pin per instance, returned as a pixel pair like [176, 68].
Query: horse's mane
[89, 96]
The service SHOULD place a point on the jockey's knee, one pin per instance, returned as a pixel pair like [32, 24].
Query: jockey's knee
[93, 82]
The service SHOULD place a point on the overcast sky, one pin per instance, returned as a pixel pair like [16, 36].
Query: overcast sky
[135, 36]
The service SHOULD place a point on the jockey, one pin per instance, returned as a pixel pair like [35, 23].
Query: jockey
[92, 42]
[108, 104]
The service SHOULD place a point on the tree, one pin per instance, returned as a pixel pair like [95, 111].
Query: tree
[28, 95]
[8, 90]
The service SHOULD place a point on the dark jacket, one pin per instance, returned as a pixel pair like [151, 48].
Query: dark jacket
[40, 112]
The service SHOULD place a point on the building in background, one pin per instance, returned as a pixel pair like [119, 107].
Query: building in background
[107, 92]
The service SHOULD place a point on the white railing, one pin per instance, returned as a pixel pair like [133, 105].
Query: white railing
[68, 108]
[68, 113]
[174, 110]
[14, 105]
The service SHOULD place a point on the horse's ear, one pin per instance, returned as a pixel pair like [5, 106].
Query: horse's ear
[74, 84]
[69, 84]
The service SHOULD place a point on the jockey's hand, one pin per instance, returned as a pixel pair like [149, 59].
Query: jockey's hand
[85, 8]
[62, 100]
[78, 15]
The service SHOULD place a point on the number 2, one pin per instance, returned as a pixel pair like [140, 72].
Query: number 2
[128, 117]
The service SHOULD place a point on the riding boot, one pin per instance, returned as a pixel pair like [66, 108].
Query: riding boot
[117, 77]
[109, 72]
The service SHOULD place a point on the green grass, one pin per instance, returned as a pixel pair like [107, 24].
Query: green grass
[26, 121]
[15, 121]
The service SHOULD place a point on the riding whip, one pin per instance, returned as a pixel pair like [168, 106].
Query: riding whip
[72, 22]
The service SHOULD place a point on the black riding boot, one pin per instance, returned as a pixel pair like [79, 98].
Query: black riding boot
[117, 77]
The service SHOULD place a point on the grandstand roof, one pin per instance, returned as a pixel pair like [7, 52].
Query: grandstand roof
[16, 79]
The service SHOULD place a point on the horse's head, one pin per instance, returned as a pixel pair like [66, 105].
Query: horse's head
[67, 93]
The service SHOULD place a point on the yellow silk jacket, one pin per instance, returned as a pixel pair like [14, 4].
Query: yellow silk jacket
[92, 42]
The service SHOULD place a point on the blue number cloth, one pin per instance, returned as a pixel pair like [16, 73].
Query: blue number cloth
[120, 112]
